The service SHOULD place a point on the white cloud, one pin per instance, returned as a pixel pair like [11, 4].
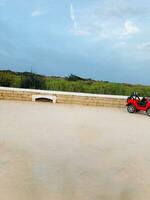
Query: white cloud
[130, 28]
[72, 16]
[36, 13]
[105, 21]
[79, 32]
[119, 44]
[76, 30]
[144, 46]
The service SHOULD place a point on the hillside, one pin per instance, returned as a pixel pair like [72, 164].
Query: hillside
[71, 83]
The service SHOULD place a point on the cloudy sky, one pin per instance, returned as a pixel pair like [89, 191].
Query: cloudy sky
[99, 39]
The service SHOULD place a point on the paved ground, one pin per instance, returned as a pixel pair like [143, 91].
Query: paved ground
[65, 152]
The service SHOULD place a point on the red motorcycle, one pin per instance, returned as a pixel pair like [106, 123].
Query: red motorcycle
[135, 104]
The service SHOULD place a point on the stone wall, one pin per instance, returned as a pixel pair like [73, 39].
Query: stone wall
[64, 97]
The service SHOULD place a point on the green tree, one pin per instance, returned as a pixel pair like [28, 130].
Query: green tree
[73, 77]
[32, 81]
[6, 79]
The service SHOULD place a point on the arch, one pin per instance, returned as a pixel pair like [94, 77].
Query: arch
[44, 98]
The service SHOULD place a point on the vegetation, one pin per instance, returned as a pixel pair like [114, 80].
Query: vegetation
[32, 81]
[6, 79]
[71, 83]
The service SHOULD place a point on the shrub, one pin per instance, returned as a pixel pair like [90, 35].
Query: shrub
[6, 79]
[32, 81]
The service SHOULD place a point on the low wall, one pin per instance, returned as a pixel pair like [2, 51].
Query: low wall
[63, 97]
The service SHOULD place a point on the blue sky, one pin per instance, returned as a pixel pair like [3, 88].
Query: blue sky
[99, 39]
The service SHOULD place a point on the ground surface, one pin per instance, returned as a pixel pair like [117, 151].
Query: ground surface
[65, 152]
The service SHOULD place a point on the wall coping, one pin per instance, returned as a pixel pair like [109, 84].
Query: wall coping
[63, 93]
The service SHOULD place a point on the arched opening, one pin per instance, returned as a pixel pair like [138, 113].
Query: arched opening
[42, 99]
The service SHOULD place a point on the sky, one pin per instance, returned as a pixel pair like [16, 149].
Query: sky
[98, 39]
